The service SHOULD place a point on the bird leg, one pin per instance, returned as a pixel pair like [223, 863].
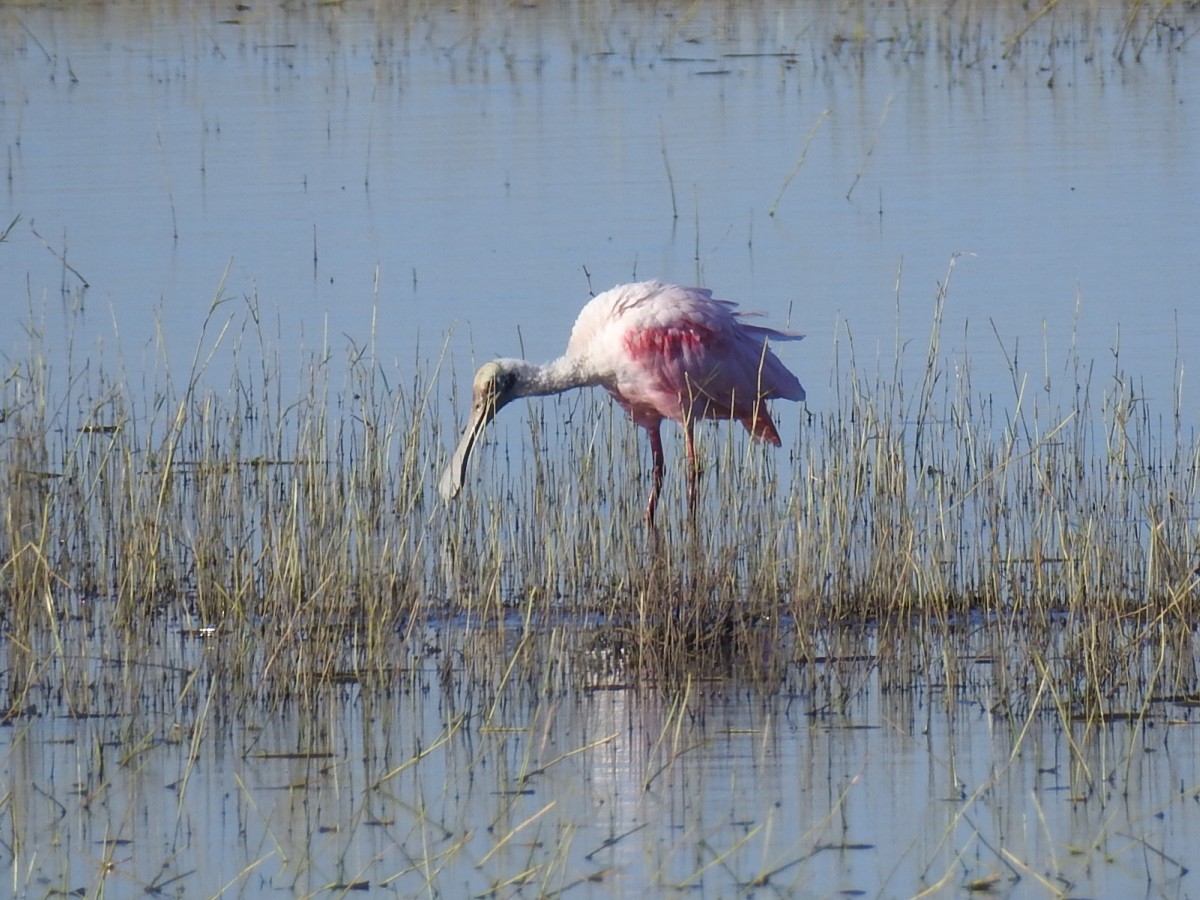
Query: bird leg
[660, 467]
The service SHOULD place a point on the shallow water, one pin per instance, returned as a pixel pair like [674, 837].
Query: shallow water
[413, 171]
[393, 179]
[563, 777]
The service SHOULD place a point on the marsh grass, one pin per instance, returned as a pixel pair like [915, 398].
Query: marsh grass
[299, 538]
[191, 560]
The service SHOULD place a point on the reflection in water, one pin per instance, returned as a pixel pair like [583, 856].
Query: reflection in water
[452, 782]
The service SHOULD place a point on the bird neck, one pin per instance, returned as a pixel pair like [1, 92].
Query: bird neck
[554, 377]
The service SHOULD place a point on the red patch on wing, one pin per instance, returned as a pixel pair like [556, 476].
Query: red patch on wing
[651, 344]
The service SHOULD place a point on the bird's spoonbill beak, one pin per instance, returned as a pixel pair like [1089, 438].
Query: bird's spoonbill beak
[490, 392]
[456, 472]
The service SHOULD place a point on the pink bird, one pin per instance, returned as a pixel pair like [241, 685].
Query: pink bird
[664, 352]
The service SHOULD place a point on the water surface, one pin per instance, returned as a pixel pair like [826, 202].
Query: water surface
[354, 179]
[566, 777]
[408, 172]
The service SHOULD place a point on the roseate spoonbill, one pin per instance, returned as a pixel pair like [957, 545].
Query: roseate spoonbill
[664, 352]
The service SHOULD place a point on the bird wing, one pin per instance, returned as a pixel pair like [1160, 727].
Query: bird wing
[678, 352]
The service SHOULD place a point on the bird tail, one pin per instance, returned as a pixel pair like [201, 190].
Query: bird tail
[759, 424]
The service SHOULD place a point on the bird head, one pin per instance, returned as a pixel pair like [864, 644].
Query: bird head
[496, 384]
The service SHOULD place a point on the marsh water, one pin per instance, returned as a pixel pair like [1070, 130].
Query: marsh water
[574, 781]
[430, 185]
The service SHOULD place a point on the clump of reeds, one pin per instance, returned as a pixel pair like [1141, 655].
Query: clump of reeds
[299, 534]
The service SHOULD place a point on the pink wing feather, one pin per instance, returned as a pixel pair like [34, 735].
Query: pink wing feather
[672, 352]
